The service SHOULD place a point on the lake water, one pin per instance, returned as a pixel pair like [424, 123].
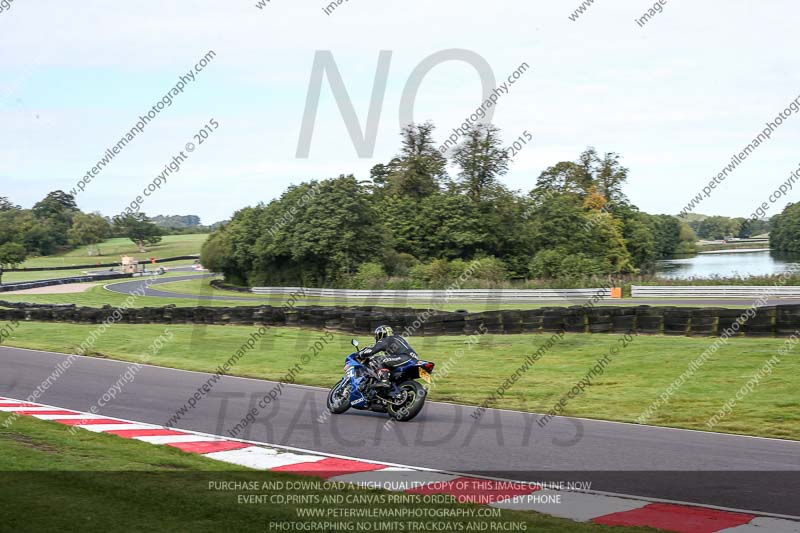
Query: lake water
[728, 263]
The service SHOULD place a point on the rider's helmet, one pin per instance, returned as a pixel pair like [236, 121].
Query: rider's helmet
[382, 331]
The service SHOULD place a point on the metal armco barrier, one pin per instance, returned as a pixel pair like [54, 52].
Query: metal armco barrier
[504, 295]
[714, 291]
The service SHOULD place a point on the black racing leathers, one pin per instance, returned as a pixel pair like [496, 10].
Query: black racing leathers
[397, 351]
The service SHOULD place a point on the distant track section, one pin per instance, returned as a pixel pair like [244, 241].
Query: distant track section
[23, 285]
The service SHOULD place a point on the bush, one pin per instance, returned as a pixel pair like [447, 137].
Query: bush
[434, 275]
[370, 276]
[685, 248]
[489, 269]
[399, 263]
[546, 264]
[583, 266]
[554, 264]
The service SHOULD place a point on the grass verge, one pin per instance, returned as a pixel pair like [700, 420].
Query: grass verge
[53, 481]
[635, 377]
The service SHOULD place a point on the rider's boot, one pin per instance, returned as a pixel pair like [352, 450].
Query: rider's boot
[383, 379]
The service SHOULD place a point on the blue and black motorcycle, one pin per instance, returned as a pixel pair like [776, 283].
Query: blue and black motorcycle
[403, 399]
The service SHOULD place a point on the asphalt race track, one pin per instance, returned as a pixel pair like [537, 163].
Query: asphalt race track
[723, 470]
[128, 287]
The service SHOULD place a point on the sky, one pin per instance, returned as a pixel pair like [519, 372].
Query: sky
[676, 98]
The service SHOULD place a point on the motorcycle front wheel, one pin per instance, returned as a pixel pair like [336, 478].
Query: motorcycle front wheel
[415, 399]
[339, 397]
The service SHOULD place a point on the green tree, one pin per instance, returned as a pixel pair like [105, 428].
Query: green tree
[56, 204]
[7, 205]
[23, 227]
[565, 177]
[370, 276]
[11, 255]
[177, 221]
[607, 242]
[558, 264]
[666, 231]
[640, 241]
[138, 229]
[89, 229]
[419, 168]
[229, 249]
[481, 159]
[56, 211]
[638, 233]
[717, 227]
[560, 223]
[410, 220]
[609, 177]
[754, 228]
[589, 173]
[785, 234]
[316, 233]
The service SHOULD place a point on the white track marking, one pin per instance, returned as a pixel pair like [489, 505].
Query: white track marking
[101, 428]
[173, 439]
[67, 417]
[262, 458]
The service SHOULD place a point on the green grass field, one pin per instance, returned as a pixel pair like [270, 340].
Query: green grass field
[635, 378]
[52, 481]
[15, 277]
[112, 249]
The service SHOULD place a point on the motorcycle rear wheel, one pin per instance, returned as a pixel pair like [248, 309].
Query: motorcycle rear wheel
[339, 398]
[413, 404]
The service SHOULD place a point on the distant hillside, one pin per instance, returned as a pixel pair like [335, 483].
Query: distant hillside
[176, 221]
[693, 217]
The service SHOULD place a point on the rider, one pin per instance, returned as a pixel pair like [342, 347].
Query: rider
[397, 352]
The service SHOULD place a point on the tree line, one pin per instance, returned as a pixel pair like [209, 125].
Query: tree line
[720, 227]
[55, 224]
[413, 224]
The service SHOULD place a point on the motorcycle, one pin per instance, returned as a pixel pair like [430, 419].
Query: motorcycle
[403, 399]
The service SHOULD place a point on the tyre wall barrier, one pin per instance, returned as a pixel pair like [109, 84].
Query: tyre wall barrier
[780, 321]
[221, 285]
